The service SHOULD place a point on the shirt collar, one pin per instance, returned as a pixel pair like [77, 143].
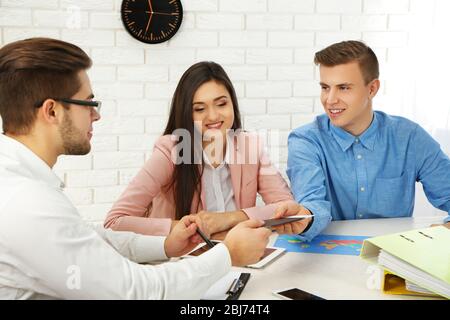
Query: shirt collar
[22, 160]
[368, 137]
[226, 158]
[345, 139]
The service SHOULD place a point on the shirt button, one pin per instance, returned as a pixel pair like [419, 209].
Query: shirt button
[360, 215]
[357, 140]
[363, 189]
[359, 157]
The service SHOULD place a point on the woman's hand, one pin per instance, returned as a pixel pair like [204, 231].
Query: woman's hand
[214, 222]
[220, 236]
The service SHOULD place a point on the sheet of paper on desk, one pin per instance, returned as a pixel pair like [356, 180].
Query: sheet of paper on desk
[323, 243]
[218, 291]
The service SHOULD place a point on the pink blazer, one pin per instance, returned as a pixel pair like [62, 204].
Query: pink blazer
[147, 207]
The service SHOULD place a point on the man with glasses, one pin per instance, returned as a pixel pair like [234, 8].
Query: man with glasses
[76, 141]
[46, 250]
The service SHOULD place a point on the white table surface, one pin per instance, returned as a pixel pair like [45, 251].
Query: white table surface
[330, 276]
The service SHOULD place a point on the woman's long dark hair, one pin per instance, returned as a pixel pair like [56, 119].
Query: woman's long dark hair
[186, 179]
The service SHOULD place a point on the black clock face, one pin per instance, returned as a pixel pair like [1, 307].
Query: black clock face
[152, 21]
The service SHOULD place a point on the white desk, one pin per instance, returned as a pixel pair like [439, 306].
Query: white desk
[328, 275]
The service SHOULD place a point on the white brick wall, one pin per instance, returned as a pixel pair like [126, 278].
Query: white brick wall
[266, 46]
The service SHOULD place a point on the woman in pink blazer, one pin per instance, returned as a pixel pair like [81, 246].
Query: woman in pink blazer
[204, 163]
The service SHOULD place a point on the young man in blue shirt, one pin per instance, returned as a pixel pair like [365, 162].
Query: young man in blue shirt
[356, 163]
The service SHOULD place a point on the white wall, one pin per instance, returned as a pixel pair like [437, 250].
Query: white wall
[267, 48]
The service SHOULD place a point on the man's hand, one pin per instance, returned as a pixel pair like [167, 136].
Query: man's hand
[291, 208]
[173, 224]
[182, 238]
[214, 222]
[246, 242]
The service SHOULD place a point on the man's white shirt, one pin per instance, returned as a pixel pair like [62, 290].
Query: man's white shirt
[48, 251]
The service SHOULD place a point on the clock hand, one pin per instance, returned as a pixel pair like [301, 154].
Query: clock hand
[151, 14]
[150, 5]
[148, 24]
[162, 13]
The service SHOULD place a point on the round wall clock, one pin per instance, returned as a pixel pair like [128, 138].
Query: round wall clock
[152, 21]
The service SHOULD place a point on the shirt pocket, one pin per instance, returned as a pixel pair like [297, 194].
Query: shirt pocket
[392, 196]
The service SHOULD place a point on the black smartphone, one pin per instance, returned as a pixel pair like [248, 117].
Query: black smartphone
[296, 294]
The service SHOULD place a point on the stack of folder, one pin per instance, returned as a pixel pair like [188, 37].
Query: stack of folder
[416, 262]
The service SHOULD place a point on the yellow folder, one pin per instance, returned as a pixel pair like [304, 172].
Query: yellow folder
[421, 256]
[393, 284]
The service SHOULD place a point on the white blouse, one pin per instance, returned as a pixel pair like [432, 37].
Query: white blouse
[219, 194]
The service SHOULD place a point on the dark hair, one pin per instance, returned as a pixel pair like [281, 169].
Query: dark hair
[186, 179]
[32, 71]
[349, 51]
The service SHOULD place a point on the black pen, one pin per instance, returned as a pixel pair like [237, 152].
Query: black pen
[208, 242]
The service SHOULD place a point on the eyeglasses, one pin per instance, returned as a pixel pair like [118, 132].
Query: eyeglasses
[96, 105]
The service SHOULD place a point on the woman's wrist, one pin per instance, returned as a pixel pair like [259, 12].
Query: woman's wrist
[236, 217]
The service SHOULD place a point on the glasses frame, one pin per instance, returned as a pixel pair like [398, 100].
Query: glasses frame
[86, 103]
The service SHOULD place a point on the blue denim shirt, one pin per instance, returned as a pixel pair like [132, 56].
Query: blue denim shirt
[340, 176]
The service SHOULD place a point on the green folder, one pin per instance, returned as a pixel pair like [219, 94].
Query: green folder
[426, 249]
